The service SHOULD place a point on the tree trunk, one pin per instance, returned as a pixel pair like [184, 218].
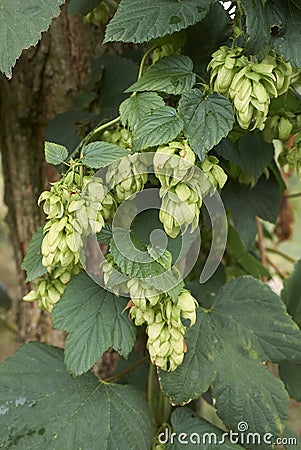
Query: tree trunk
[44, 81]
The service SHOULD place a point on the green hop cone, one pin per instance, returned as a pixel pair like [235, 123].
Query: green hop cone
[59, 245]
[250, 91]
[141, 291]
[215, 174]
[49, 289]
[129, 176]
[74, 211]
[283, 72]
[278, 127]
[223, 66]
[166, 354]
[119, 136]
[99, 15]
[180, 208]
[291, 156]
[284, 128]
[173, 163]
[161, 52]
[250, 85]
[187, 305]
[163, 318]
[53, 205]
[112, 278]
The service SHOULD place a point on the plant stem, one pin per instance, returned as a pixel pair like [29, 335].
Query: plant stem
[296, 195]
[125, 371]
[202, 80]
[283, 255]
[166, 409]
[95, 130]
[276, 268]
[261, 242]
[142, 63]
[150, 385]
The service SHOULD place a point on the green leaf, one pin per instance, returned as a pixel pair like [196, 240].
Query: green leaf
[81, 6]
[148, 221]
[5, 300]
[290, 374]
[158, 127]
[226, 349]
[207, 36]
[136, 260]
[100, 154]
[55, 153]
[105, 235]
[293, 439]
[265, 403]
[257, 28]
[207, 119]
[21, 25]
[206, 291]
[138, 22]
[245, 203]
[252, 154]
[285, 23]
[248, 262]
[112, 74]
[172, 74]
[134, 109]
[291, 293]
[32, 262]
[198, 431]
[285, 102]
[94, 321]
[41, 406]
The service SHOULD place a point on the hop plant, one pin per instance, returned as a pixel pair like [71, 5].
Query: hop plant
[49, 289]
[75, 206]
[173, 163]
[182, 188]
[181, 202]
[119, 136]
[71, 217]
[163, 319]
[225, 63]
[160, 52]
[249, 84]
[99, 15]
[129, 176]
[214, 173]
[180, 208]
[278, 127]
[113, 279]
[291, 154]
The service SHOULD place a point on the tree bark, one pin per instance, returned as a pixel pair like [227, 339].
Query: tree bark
[44, 82]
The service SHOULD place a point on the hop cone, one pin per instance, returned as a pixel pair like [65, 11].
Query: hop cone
[225, 63]
[129, 176]
[249, 84]
[173, 163]
[163, 318]
[119, 136]
[49, 289]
